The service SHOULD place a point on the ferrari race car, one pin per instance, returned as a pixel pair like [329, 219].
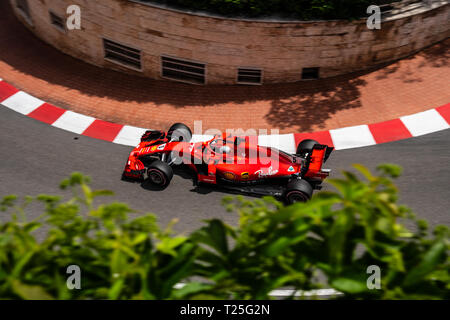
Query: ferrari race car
[232, 162]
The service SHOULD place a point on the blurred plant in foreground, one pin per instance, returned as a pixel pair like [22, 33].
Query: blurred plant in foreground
[327, 242]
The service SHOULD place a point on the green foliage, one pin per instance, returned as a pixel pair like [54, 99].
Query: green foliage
[297, 9]
[327, 242]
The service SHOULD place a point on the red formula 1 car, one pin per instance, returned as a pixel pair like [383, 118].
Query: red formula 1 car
[232, 162]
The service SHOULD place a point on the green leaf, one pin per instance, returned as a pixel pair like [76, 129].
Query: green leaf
[114, 292]
[428, 264]
[276, 247]
[167, 245]
[191, 289]
[365, 172]
[98, 193]
[30, 227]
[342, 185]
[139, 239]
[214, 235]
[30, 292]
[390, 169]
[21, 264]
[7, 202]
[349, 285]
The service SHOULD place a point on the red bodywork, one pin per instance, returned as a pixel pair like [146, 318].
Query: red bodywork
[233, 159]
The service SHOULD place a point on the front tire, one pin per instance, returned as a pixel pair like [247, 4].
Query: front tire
[179, 132]
[298, 190]
[159, 174]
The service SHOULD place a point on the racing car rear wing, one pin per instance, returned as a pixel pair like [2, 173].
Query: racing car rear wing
[314, 161]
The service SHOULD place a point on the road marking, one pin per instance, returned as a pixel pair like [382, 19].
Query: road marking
[290, 292]
[130, 136]
[344, 138]
[388, 131]
[74, 122]
[352, 137]
[103, 130]
[301, 293]
[444, 111]
[424, 122]
[47, 113]
[22, 102]
[6, 91]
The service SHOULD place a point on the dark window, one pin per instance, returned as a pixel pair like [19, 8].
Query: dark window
[310, 73]
[122, 54]
[57, 21]
[23, 6]
[182, 70]
[249, 76]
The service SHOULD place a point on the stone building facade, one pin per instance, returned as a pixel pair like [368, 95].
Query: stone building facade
[157, 42]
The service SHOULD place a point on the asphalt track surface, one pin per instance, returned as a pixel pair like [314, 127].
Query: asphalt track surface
[35, 157]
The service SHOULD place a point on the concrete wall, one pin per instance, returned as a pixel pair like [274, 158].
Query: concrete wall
[281, 49]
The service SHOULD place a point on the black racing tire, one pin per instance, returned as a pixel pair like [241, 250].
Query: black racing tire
[298, 190]
[180, 132]
[306, 146]
[159, 174]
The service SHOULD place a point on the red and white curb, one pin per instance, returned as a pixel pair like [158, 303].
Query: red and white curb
[291, 292]
[344, 138]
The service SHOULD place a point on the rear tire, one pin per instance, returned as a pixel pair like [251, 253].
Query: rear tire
[306, 146]
[159, 174]
[179, 132]
[298, 190]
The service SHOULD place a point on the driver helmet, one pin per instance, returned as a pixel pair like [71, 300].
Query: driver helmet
[224, 149]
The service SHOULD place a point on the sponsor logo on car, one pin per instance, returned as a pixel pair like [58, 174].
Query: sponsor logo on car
[291, 169]
[245, 175]
[161, 147]
[229, 175]
[154, 148]
[270, 172]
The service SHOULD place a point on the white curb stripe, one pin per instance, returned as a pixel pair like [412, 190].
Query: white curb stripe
[130, 136]
[284, 142]
[301, 293]
[290, 292]
[352, 137]
[73, 122]
[22, 102]
[424, 122]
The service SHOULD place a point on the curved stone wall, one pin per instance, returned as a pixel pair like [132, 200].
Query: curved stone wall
[280, 49]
